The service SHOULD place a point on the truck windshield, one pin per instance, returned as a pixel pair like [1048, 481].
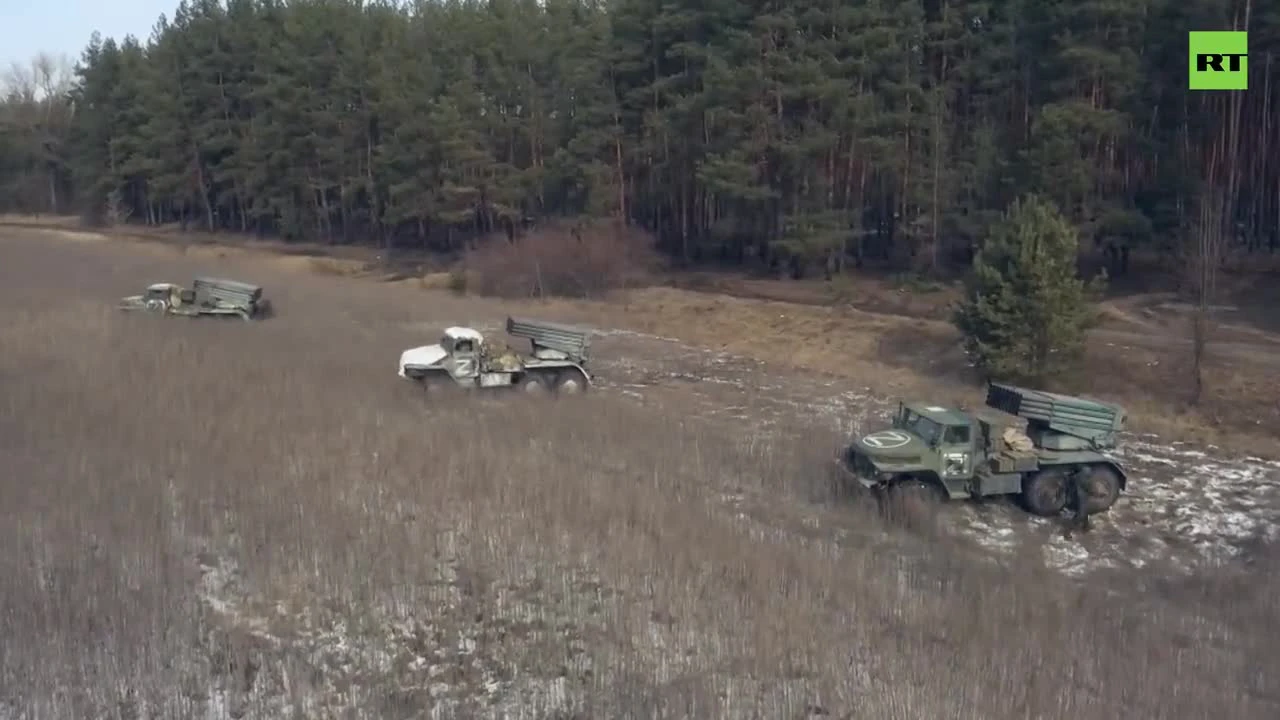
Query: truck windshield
[924, 428]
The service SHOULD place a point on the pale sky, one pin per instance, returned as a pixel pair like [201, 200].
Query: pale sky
[63, 27]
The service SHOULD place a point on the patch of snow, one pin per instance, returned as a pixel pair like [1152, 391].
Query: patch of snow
[1071, 558]
[618, 332]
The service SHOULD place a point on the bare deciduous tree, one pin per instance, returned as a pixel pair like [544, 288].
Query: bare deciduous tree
[1217, 221]
[36, 115]
[1202, 266]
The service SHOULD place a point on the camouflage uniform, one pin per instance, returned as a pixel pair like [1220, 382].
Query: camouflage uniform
[1078, 492]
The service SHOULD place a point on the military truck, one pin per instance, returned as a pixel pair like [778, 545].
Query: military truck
[207, 296]
[465, 358]
[1050, 450]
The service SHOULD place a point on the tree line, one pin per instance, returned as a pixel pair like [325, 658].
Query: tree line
[806, 135]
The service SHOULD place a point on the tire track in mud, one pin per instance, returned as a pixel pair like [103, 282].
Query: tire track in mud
[1184, 506]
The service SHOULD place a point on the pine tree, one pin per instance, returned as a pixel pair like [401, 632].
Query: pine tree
[1025, 311]
[798, 135]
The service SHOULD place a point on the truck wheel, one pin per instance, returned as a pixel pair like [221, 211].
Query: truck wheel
[533, 384]
[1045, 493]
[1100, 485]
[571, 382]
[912, 503]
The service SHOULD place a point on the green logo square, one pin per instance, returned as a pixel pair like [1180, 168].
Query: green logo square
[1219, 61]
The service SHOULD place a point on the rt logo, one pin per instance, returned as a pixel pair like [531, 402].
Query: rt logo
[1219, 61]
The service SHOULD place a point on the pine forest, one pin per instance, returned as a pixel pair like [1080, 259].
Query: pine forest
[806, 136]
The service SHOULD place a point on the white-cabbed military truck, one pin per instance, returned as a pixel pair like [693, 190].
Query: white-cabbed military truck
[465, 358]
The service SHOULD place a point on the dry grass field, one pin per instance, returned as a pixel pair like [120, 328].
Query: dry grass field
[868, 331]
[223, 519]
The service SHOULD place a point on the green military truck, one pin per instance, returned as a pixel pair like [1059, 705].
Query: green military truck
[207, 296]
[1050, 450]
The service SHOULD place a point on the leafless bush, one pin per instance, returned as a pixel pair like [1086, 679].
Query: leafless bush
[258, 519]
[585, 259]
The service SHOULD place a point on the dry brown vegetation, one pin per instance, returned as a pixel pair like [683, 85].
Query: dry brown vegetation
[878, 333]
[580, 260]
[261, 519]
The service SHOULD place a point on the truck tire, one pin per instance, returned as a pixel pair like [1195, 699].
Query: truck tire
[571, 382]
[1045, 492]
[1100, 485]
[533, 384]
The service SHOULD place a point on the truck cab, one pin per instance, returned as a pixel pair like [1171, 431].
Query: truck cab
[927, 443]
[159, 296]
[948, 434]
[462, 348]
[945, 431]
